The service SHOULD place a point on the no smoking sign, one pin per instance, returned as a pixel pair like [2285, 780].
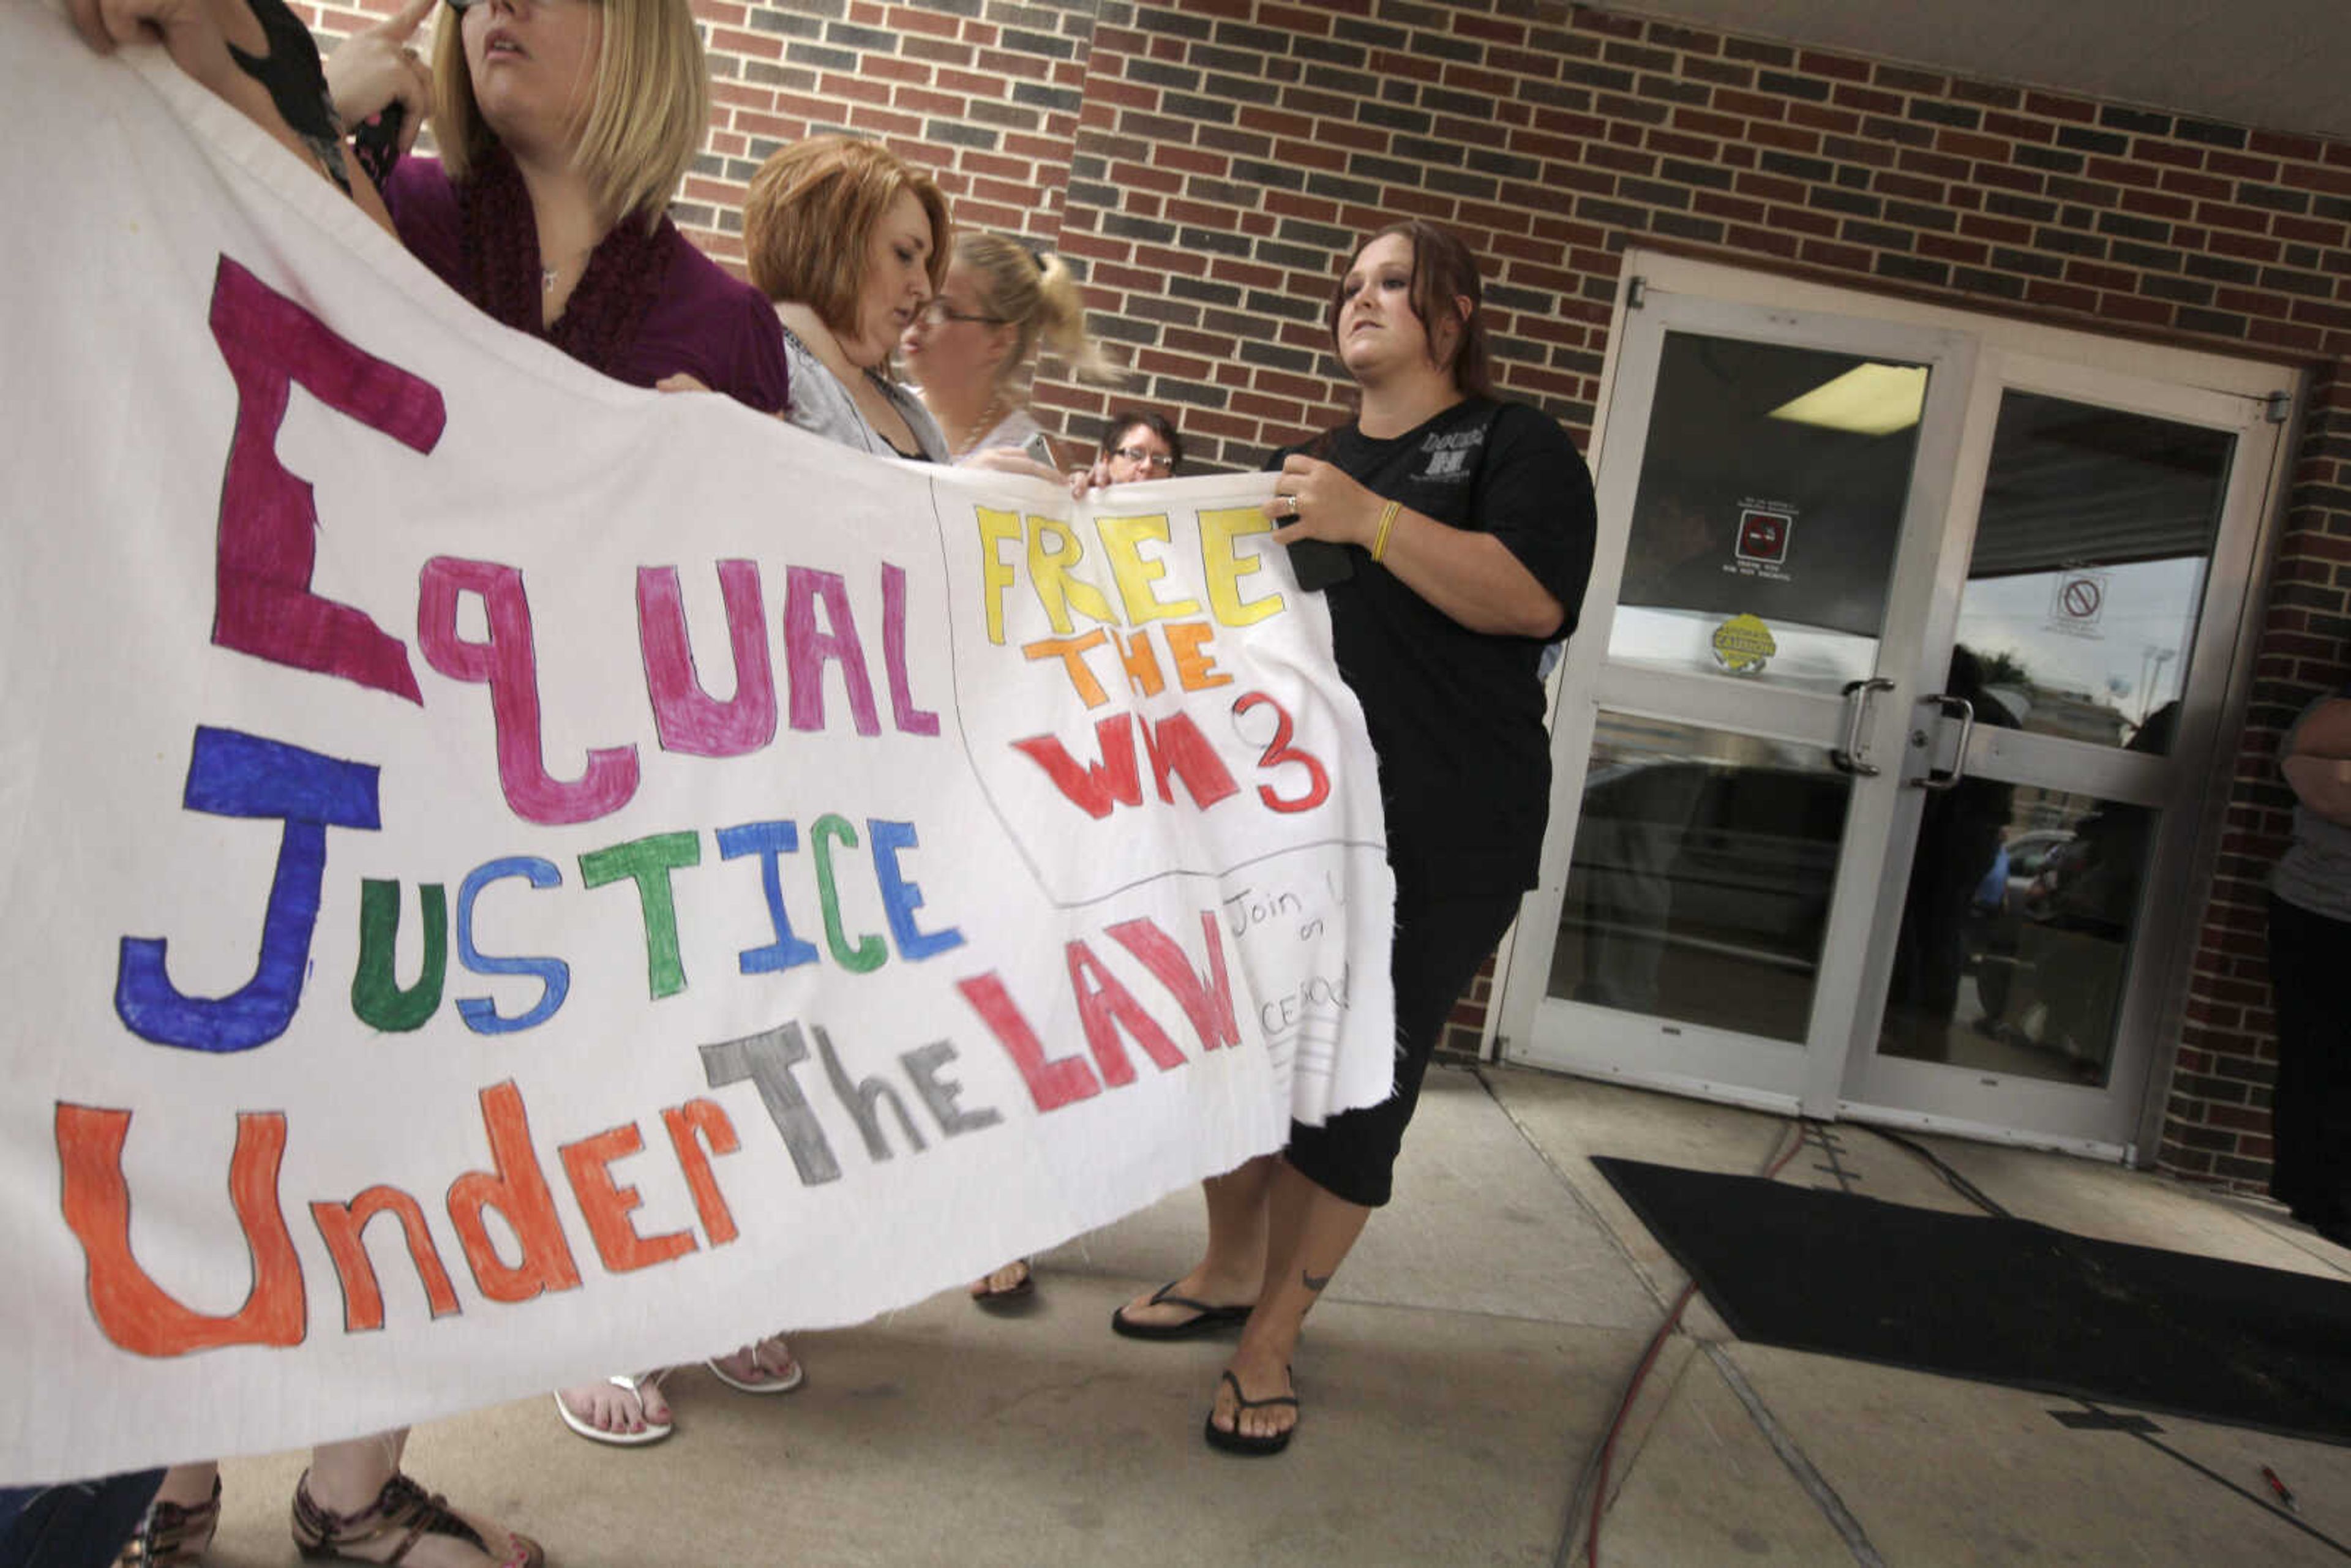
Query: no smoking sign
[2078, 602]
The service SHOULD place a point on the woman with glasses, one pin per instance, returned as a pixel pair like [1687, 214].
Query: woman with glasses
[848, 242]
[974, 347]
[1136, 443]
[1135, 446]
[1463, 530]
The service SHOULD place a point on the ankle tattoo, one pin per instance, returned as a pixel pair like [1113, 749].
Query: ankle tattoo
[1314, 1282]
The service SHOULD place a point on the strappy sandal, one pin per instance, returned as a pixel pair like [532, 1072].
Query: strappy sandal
[1019, 1289]
[172, 1535]
[383, 1531]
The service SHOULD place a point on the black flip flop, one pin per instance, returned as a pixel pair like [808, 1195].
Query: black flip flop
[1011, 1294]
[1205, 1319]
[1242, 1443]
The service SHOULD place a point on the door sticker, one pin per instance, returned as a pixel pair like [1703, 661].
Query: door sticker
[1743, 645]
[1760, 547]
[2078, 603]
[1763, 536]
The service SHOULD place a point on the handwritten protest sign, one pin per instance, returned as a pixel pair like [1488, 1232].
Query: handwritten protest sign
[505, 877]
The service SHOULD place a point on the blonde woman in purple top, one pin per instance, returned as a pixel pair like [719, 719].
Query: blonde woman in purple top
[565, 126]
[353, 1503]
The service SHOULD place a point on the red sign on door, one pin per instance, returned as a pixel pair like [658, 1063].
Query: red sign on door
[1763, 536]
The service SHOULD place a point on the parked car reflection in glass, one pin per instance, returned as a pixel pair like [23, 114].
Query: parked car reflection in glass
[1698, 883]
[2005, 901]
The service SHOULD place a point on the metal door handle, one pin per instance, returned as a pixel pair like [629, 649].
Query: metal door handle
[1851, 757]
[1965, 712]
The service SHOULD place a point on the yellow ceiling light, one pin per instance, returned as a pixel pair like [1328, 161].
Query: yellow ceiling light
[1868, 400]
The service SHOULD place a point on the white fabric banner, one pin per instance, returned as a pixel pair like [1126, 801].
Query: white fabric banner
[505, 877]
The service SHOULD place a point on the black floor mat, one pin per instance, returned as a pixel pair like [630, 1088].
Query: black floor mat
[2005, 1301]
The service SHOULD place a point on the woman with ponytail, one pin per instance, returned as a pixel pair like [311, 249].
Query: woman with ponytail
[973, 350]
[974, 346]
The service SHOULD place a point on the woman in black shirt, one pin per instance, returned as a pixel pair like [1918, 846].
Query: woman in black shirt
[1454, 532]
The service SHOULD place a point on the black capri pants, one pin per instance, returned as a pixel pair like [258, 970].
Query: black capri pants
[1439, 943]
[2310, 1110]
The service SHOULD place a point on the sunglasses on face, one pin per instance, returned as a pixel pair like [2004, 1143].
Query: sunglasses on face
[1157, 462]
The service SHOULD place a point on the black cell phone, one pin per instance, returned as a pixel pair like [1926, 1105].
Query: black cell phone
[1318, 563]
[376, 142]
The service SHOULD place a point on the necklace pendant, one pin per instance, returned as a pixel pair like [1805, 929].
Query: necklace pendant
[546, 276]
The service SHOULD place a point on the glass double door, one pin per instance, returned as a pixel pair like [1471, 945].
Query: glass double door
[1879, 752]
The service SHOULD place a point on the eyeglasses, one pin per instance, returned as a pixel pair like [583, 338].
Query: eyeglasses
[1158, 462]
[938, 313]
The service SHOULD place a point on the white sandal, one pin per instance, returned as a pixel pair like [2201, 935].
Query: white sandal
[774, 1386]
[654, 1430]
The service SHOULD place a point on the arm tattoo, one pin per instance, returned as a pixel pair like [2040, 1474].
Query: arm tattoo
[1314, 1282]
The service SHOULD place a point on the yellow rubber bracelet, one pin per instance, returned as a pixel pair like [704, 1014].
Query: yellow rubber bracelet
[1387, 520]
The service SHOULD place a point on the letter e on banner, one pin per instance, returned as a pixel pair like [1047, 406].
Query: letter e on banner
[268, 521]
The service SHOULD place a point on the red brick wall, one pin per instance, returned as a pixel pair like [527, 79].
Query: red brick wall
[1208, 164]
[990, 106]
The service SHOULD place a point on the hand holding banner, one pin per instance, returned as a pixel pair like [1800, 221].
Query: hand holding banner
[507, 875]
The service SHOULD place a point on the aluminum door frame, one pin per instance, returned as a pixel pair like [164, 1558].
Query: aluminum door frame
[2105, 1120]
[1663, 1052]
[2238, 577]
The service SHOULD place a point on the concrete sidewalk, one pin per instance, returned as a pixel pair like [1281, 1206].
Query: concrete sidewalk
[1457, 1381]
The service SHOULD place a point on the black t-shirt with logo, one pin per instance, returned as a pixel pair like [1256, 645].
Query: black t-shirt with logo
[1456, 717]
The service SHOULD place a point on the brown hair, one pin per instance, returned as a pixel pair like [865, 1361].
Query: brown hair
[810, 215]
[1444, 270]
[1126, 419]
[645, 120]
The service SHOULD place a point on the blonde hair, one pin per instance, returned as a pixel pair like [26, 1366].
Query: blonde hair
[810, 215]
[1039, 298]
[645, 121]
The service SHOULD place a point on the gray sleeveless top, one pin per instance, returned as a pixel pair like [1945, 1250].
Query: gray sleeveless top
[2314, 873]
[822, 406]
